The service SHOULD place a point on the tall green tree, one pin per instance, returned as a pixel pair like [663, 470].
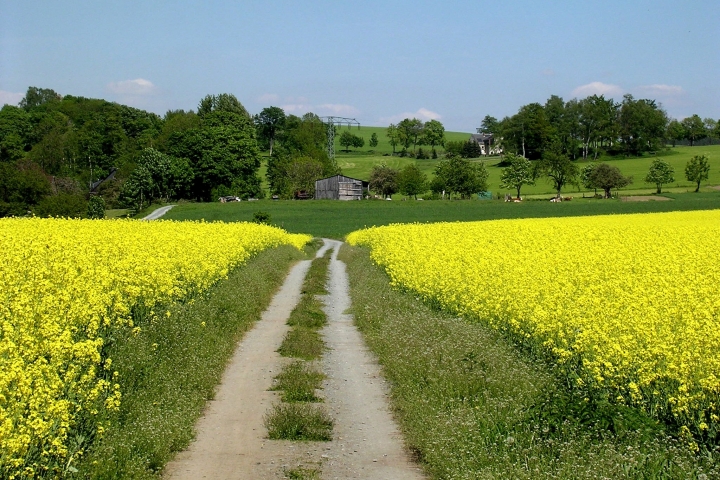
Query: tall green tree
[528, 132]
[410, 132]
[433, 133]
[694, 129]
[490, 125]
[641, 125]
[225, 102]
[660, 173]
[519, 172]
[393, 135]
[36, 97]
[697, 170]
[559, 170]
[269, 122]
[675, 131]
[412, 181]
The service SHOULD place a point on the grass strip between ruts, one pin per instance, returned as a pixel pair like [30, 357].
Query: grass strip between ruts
[294, 418]
[171, 368]
[472, 405]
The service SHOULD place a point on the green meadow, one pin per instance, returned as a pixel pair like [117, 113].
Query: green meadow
[358, 163]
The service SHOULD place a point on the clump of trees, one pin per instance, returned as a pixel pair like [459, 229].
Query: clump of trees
[459, 176]
[299, 157]
[349, 139]
[416, 133]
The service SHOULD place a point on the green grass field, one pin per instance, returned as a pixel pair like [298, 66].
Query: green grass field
[335, 219]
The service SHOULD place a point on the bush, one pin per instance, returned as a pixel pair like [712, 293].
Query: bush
[96, 207]
[62, 205]
[261, 217]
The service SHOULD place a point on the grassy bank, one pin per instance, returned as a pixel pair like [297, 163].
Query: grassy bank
[472, 405]
[170, 369]
[334, 219]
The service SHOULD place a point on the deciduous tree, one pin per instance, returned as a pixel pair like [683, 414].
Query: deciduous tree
[412, 181]
[660, 173]
[373, 140]
[433, 133]
[559, 170]
[607, 177]
[457, 175]
[519, 172]
[269, 122]
[384, 180]
[697, 170]
[694, 129]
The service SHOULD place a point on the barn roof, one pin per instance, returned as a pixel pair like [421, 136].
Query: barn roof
[365, 184]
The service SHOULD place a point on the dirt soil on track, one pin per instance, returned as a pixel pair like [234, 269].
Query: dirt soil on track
[231, 441]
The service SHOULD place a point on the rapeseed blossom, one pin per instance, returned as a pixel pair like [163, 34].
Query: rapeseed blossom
[67, 284]
[626, 306]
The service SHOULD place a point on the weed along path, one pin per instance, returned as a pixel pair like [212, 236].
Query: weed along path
[366, 441]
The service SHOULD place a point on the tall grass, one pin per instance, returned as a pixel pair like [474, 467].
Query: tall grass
[472, 405]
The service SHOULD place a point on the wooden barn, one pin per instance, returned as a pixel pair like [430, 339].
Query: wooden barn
[340, 187]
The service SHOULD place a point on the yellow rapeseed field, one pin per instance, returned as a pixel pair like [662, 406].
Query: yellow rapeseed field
[626, 306]
[64, 286]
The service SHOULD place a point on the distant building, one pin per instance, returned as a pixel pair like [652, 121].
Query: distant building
[486, 142]
[340, 187]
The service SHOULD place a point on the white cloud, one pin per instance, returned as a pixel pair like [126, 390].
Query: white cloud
[337, 109]
[10, 98]
[422, 114]
[139, 86]
[660, 90]
[296, 108]
[268, 98]
[597, 88]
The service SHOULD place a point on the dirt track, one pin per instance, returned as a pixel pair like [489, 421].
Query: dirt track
[231, 441]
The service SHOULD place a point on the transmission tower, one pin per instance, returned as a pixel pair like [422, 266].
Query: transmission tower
[331, 122]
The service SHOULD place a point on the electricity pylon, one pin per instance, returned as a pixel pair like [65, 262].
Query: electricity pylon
[331, 122]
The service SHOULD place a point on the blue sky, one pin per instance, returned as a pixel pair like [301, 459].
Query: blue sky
[377, 61]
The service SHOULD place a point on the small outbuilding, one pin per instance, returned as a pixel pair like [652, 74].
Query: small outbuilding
[340, 187]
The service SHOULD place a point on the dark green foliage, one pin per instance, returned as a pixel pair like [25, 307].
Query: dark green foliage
[261, 217]
[348, 139]
[412, 181]
[96, 207]
[456, 175]
[225, 102]
[298, 421]
[471, 404]
[384, 180]
[62, 205]
[221, 151]
[22, 185]
[410, 132]
[641, 125]
[373, 140]
[269, 123]
[660, 173]
[165, 388]
[157, 176]
[697, 170]
[528, 132]
[298, 382]
[607, 177]
[559, 169]
[693, 129]
[471, 149]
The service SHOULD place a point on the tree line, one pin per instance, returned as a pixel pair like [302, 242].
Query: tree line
[593, 126]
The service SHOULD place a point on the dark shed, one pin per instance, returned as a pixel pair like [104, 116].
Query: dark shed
[340, 187]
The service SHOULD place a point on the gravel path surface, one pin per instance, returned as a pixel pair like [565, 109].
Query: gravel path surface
[367, 443]
[155, 214]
